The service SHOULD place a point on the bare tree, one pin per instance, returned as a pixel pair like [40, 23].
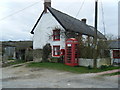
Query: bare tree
[111, 37]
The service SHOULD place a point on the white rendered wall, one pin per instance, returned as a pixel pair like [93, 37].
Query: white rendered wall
[90, 62]
[111, 55]
[44, 29]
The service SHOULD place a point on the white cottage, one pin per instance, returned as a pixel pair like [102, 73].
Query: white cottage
[52, 23]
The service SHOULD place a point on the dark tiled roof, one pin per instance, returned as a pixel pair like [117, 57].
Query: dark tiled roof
[114, 44]
[72, 24]
[100, 35]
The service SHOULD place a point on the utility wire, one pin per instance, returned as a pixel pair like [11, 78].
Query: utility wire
[103, 20]
[18, 11]
[77, 13]
[80, 8]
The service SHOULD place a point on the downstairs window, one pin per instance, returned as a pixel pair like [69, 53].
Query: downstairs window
[56, 50]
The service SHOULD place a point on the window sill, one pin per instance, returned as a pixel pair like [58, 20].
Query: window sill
[56, 40]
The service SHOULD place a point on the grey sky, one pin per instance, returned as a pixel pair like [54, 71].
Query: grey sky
[16, 25]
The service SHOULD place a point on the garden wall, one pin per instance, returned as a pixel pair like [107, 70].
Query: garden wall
[90, 62]
[37, 55]
[29, 54]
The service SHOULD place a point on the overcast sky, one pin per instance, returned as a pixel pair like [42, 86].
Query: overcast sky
[17, 17]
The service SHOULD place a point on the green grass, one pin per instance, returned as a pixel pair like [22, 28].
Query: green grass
[63, 67]
[16, 62]
[11, 59]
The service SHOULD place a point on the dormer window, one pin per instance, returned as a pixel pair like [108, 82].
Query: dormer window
[56, 35]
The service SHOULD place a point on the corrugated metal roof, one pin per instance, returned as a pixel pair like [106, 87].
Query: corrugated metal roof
[73, 24]
[20, 44]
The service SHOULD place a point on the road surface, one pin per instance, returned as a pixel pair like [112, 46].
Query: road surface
[24, 77]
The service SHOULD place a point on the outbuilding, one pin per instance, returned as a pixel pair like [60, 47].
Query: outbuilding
[115, 51]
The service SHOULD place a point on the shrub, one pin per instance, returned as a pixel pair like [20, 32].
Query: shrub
[110, 66]
[89, 67]
[54, 59]
[103, 66]
[61, 59]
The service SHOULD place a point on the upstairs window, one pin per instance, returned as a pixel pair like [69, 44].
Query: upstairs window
[56, 50]
[56, 35]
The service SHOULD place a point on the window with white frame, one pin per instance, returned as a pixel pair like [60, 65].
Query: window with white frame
[56, 50]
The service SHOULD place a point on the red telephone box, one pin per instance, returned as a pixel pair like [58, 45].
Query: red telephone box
[71, 54]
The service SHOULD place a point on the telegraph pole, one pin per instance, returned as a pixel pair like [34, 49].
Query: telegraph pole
[95, 37]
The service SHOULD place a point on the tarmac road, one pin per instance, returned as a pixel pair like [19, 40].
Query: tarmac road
[23, 77]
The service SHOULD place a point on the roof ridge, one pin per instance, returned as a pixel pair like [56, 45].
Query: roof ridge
[69, 22]
[67, 15]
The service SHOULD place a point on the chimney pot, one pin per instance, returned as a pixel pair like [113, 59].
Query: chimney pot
[84, 20]
[47, 3]
[47, 0]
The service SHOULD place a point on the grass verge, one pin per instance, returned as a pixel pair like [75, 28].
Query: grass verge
[111, 74]
[63, 67]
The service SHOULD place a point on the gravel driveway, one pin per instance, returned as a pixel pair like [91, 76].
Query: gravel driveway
[23, 77]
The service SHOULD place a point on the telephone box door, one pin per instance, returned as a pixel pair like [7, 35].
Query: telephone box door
[68, 53]
[71, 54]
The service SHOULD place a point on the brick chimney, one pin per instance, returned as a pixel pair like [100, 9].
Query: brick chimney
[84, 20]
[47, 3]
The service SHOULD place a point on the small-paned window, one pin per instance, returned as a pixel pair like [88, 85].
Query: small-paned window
[56, 35]
[56, 50]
